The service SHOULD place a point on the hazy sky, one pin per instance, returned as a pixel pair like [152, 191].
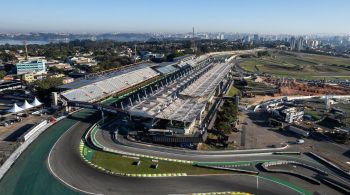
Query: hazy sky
[262, 16]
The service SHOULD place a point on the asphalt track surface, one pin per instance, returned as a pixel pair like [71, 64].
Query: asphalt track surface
[30, 174]
[104, 138]
[67, 165]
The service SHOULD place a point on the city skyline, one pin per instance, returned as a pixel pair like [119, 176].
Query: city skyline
[252, 16]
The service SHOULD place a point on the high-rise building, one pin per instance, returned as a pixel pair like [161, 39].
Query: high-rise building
[292, 43]
[222, 37]
[256, 38]
[247, 39]
[300, 44]
[36, 67]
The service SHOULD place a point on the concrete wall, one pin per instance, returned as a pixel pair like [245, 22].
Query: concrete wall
[14, 156]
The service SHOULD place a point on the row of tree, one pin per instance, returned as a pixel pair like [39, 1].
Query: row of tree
[226, 117]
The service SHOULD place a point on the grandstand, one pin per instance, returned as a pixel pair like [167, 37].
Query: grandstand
[206, 85]
[164, 96]
[93, 78]
[183, 110]
[183, 101]
[98, 88]
[167, 68]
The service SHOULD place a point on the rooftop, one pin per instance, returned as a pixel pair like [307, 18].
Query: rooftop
[207, 83]
[108, 84]
[87, 81]
[164, 104]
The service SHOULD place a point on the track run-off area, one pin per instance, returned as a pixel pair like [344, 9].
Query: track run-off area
[52, 165]
[30, 174]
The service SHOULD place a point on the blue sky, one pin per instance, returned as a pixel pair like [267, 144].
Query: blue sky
[262, 16]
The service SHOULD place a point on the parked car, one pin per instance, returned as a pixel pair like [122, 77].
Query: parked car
[300, 141]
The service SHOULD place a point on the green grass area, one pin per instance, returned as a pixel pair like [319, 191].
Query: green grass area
[300, 65]
[330, 60]
[233, 91]
[313, 113]
[121, 164]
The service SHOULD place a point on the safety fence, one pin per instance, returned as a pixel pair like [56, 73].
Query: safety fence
[16, 154]
[92, 135]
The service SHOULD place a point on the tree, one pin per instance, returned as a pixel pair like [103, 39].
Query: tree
[226, 116]
[7, 57]
[2, 74]
[54, 69]
[223, 126]
[46, 86]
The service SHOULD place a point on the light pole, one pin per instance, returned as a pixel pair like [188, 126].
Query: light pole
[257, 184]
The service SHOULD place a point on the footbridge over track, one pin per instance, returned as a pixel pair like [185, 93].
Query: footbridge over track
[96, 106]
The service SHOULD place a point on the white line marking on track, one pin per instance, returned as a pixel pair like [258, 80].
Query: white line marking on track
[55, 175]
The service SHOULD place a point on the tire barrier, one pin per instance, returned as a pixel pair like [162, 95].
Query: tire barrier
[223, 193]
[286, 153]
[266, 166]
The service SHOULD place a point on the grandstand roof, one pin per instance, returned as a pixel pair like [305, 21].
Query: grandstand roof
[186, 110]
[166, 68]
[165, 105]
[162, 98]
[184, 57]
[86, 81]
[109, 84]
[208, 82]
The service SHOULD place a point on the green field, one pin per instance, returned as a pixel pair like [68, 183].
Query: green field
[123, 164]
[314, 114]
[233, 91]
[299, 65]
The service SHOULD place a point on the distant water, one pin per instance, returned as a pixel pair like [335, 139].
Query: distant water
[20, 42]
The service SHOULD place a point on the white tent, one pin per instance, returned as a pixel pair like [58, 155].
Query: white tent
[26, 105]
[15, 109]
[36, 102]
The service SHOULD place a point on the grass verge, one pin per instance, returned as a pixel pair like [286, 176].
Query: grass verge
[125, 164]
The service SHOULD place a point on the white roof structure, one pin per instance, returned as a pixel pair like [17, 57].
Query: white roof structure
[36, 102]
[186, 110]
[162, 98]
[15, 108]
[26, 105]
[192, 100]
[100, 89]
[207, 83]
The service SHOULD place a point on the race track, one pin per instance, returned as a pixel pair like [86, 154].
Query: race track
[68, 166]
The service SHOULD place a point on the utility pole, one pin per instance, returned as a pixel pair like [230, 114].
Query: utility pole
[257, 184]
[194, 48]
[135, 54]
[26, 50]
